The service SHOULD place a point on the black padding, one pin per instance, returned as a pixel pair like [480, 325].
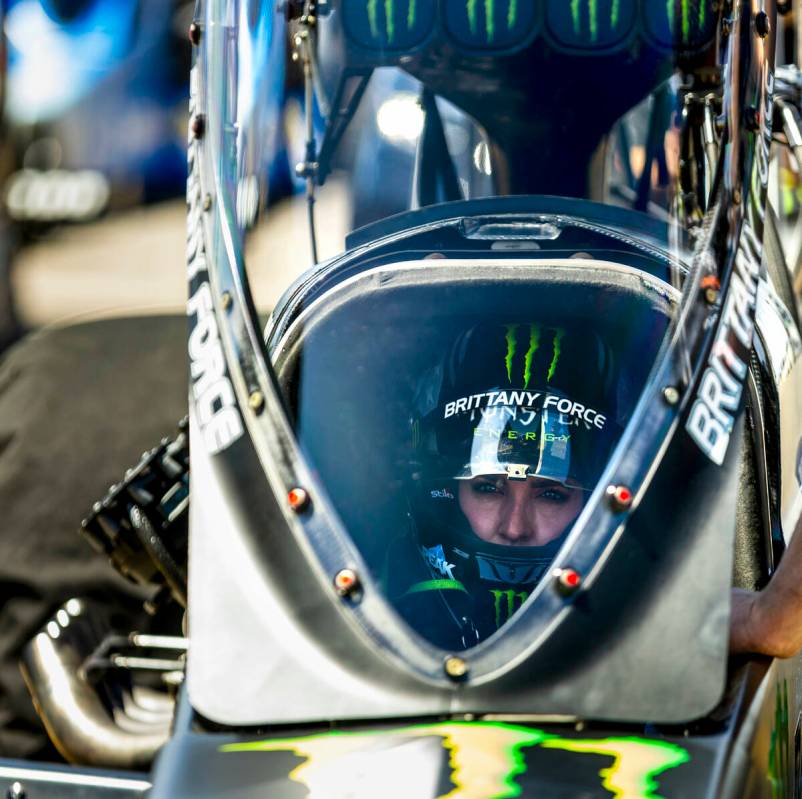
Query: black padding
[750, 564]
[389, 24]
[490, 24]
[78, 406]
[590, 24]
[682, 25]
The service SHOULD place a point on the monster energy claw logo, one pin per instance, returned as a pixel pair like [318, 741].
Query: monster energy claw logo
[389, 17]
[685, 16]
[387, 8]
[535, 337]
[506, 603]
[593, 17]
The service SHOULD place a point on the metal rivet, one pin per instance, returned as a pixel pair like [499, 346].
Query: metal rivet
[762, 24]
[711, 296]
[195, 33]
[346, 582]
[298, 499]
[671, 395]
[256, 401]
[16, 791]
[620, 497]
[207, 202]
[736, 196]
[455, 667]
[198, 126]
[227, 300]
[567, 581]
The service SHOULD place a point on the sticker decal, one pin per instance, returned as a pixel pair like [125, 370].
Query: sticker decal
[718, 397]
[486, 759]
[215, 403]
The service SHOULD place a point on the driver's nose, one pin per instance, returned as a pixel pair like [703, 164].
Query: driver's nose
[517, 523]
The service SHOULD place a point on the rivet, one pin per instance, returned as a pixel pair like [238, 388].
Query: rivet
[762, 24]
[736, 196]
[16, 791]
[620, 497]
[195, 34]
[298, 499]
[455, 667]
[726, 26]
[711, 296]
[227, 300]
[671, 395]
[198, 126]
[567, 581]
[256, 401]
[207, 202]
[346, 582]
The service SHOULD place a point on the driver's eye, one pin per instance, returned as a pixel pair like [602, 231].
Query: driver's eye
[554, 495]
[487, 487]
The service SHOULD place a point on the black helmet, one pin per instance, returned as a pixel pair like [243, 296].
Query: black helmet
[513, 428]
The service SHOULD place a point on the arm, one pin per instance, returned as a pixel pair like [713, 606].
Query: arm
[769, 622]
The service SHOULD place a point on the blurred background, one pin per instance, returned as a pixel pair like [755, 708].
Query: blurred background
[93, 166]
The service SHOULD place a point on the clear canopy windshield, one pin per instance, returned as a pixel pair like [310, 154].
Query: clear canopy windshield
[507, 195]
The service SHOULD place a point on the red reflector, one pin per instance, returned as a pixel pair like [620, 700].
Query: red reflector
[297, 498]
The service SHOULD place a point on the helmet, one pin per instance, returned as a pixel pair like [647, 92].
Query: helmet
[512, 429]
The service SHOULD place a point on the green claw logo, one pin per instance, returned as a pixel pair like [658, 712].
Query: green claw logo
[472, 10]
[685, 17]
[486, 759]
[593, 17]
[389, 17]
[535, 335]
[506, 604]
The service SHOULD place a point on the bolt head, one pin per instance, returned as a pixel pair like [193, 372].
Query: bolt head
[671, 395]
[711, 296]
[256, 401]
[198, 126]
[346, 582]
[194, 34]
[455, 667]
[567, 581]
[226, 300]
[298, 499]
[620, 497]
[762, 24]
[16, 791]
[207, 202]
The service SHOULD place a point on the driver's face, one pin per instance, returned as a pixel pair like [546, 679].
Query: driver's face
[528, 512]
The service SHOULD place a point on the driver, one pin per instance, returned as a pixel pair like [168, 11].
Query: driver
[511, 432]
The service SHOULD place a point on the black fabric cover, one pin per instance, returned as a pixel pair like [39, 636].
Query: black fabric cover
[78, 406]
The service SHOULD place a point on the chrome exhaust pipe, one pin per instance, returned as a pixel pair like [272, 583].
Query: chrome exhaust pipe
[123, 732]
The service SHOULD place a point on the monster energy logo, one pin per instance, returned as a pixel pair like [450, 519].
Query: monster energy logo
[472, 10]
[389, 17]
[484, 759]
[685, 17]
[593, 17]
[535, 338]
[506, 603]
